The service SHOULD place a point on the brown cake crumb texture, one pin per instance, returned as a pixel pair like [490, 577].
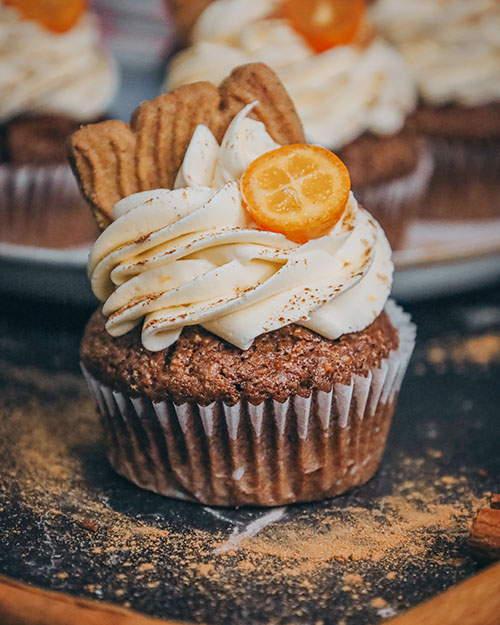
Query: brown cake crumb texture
[480, 122]
[372, 159]
[201, 367]
[38, 140]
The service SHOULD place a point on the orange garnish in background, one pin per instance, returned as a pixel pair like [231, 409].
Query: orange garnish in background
[55, 15]
[325, 23]
[298, 190]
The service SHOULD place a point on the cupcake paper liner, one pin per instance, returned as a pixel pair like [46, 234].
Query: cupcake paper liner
[394, 203]
[40, 205]
[466, 180]
[269, 454]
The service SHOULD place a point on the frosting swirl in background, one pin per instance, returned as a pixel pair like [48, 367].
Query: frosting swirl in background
[339, 94]
[49, 73]
[192, 255]
[452, 46]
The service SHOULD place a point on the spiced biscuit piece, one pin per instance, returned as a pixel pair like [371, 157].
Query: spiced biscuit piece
[113, 159]
[258, 82]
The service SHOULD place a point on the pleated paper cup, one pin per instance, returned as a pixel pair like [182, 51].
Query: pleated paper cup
[466, 180]
[395, 203]
[41, 206]
[269, 454]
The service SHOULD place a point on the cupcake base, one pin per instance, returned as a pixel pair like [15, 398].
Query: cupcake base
[455, 121]
[269, 454]
[41, 206]
[465, 184]
[38, 139]
[395, 203]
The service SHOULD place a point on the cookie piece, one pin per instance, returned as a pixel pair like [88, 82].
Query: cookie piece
[114, 159]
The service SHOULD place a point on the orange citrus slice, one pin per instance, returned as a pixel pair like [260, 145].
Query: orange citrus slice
[55, 15]
[325, 23]
[298, 190]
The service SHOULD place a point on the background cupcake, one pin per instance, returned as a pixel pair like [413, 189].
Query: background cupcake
[236, 364]
[453, 50]
[54, 76]
[352, 90]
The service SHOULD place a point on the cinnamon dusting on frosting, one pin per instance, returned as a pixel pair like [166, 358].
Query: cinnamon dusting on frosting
[226, 274]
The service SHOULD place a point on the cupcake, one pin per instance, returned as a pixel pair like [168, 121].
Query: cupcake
[54, 76]
[353, 91]
[453, 50]
[246, 351]
[186, 14]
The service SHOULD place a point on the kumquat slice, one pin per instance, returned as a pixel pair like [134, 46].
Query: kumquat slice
[325, 23]
[55, 15]
[298, 190]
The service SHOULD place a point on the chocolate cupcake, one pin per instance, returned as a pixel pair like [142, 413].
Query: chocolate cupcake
[54, 77]
[353, 91]
[452, 48]
[245, 352]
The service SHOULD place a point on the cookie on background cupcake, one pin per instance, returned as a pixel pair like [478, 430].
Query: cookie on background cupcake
[54, 76]
[353, 91]
[453, 50]
[245, 352]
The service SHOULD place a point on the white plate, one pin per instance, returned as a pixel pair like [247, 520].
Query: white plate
[55, 274]
[438, 259]
[444, 258]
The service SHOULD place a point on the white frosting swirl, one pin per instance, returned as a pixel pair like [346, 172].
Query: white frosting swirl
[192, 255]
[452, 46]
[46, 72]
[339, 94]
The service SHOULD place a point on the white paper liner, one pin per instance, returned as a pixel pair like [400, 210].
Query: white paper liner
[267, 454]
[41, 205]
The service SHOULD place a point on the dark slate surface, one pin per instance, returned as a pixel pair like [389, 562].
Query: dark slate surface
[68, 523]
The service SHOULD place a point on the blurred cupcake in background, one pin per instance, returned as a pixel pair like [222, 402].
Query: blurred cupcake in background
[453, 50]
[353, 91]
[137, 33]
[54, 76]
[186, 14]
